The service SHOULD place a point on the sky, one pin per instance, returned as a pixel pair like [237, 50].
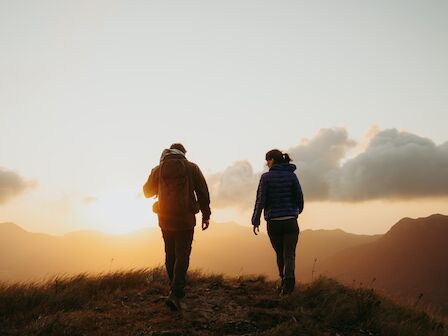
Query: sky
[91, 92]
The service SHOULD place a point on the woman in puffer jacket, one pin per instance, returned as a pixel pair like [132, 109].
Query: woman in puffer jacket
[280, 195]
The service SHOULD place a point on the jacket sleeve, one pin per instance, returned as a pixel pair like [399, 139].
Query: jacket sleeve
[260, 202]
[202, 193]
[298, 194]
[150, 188]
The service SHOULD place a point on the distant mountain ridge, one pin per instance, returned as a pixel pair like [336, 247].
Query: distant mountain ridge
[315, 246]
[408, 260]
[215, 250]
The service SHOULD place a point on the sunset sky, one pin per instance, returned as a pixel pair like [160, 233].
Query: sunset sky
[92, 91]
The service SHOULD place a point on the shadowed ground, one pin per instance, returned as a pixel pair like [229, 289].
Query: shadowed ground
[132, 304]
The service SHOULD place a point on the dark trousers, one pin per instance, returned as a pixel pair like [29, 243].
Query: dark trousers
[177, 258]
[284, 235]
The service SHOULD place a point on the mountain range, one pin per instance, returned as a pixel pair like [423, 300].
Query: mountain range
[409, 262]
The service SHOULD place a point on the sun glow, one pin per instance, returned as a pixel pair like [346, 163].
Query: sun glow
[119, 212]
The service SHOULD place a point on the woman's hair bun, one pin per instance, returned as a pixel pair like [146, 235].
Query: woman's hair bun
[286, 158]
[278, 156]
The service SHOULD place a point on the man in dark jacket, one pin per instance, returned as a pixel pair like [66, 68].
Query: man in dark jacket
[177, 182]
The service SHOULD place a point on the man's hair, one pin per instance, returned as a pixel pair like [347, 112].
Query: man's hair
[178, 146]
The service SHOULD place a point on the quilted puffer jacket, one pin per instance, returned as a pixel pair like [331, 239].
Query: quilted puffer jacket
[279, 194]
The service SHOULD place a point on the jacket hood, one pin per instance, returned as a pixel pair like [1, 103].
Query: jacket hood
[284, 167]
[167, 152]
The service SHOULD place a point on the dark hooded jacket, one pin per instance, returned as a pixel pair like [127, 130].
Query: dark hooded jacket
[168, 221]
[279, 194]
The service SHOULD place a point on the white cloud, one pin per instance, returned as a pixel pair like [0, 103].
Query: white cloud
[235, 186]
[319, 158]
[392, 165]
[11, 185]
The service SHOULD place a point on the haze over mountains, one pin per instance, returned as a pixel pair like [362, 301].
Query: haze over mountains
[408, 260]
[224, 248]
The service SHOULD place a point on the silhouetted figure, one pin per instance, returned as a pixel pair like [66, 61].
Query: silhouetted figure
[280, 195]
[182, 191]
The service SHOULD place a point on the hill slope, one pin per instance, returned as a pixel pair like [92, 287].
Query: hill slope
[321, 245]
[409, 260]
[131, 304]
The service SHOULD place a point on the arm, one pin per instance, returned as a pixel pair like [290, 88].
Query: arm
[298, 194]
[260, 202]
[151, 186]
[201, 189]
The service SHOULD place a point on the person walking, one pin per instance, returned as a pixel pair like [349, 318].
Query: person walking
[182, 191]
[280, 195]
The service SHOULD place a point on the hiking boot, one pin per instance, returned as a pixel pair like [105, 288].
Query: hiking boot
[180, 293]
[288, 286]
[172, 301]
[280, 285]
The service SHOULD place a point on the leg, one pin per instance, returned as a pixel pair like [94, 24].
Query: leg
[170, 256]
[289, 250]
[277, 244]
[183, 243]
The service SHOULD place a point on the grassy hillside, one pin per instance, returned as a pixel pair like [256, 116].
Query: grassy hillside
[132, 303]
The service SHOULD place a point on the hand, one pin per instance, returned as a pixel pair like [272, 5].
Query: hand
[256, 229]
[205, 224]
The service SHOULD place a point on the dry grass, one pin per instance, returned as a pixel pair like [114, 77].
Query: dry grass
[131, 303]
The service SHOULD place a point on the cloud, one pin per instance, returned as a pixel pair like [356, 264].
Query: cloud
[11, 185]
[319, 159]
[395, 165]
[235, 186]
[391, 165]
